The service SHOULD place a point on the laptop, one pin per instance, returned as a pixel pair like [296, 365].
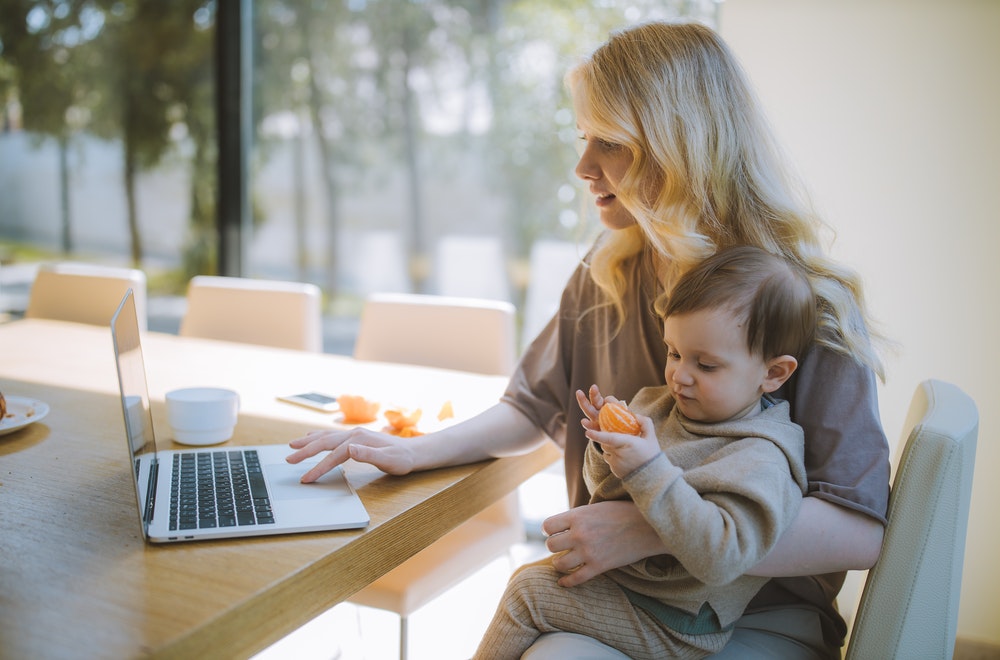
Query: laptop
[220, 491]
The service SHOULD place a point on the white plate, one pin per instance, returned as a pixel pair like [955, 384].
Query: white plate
[22, 411]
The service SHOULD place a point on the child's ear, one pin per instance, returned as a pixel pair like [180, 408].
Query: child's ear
[778, 370]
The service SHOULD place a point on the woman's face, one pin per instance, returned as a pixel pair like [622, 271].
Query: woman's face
[603, 165]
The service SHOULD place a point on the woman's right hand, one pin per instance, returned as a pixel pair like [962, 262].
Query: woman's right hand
[388, 453]
[592, 539]
[500, 430]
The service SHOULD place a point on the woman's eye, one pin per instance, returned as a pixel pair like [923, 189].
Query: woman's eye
[604, 145]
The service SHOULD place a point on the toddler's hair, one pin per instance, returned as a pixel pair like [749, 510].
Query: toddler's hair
[770, 295]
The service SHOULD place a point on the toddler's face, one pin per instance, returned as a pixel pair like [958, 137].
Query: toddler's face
[709, 368]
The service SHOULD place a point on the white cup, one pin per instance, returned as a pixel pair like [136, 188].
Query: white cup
[202, 415]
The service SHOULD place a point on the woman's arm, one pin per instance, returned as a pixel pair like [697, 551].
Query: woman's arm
[498, 431]
[823, 538]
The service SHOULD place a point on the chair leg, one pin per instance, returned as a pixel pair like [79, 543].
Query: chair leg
[403, 639]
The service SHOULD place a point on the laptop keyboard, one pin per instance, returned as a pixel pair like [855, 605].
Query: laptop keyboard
[218, 489]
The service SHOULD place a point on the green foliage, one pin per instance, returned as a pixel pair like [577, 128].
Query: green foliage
[138, 71]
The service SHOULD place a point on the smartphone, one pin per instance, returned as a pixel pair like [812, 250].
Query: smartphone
[314, 400]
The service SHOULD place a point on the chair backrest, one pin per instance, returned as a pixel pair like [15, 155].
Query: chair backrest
[263, 312]
[551, 264]
[471, 267]
[470, 334]
[909, 606]
[85, 293]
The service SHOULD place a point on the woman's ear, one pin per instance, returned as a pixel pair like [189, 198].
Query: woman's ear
[778, 370]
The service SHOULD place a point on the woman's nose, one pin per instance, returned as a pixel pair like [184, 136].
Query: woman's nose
[586, 169]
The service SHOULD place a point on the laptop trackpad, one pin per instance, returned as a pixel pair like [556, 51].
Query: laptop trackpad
[283, 479]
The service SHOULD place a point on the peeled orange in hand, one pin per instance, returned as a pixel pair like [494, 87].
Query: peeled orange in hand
[615, 417]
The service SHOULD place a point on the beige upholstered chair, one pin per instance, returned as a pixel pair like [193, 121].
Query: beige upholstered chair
[470, 267]
[264, 312]
[470, 334]
[551, 264]
[909, 606]
[85, 293]
[456, 333]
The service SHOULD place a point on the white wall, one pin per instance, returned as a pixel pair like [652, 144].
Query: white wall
[891, 111]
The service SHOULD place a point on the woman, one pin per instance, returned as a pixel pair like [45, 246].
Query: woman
[681, 164]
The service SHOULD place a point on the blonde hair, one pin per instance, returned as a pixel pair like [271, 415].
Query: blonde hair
[706, 173]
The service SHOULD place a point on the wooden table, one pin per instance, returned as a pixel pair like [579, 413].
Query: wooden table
[77, 579]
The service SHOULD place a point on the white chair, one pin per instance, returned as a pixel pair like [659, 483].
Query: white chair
[84, 293]
[379, 262]
[551, 264]
[456, 333]
[470, 334]
[264, 312]
[472, 267]
[909, 606]
[4, 304]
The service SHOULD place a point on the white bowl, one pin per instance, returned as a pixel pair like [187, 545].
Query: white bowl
[202, 415]
[212, 437]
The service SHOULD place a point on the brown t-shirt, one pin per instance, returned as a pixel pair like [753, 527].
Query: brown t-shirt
[832, 397]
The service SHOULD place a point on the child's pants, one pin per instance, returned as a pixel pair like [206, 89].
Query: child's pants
[533, 603]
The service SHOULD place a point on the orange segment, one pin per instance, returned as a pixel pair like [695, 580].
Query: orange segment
[617, 418]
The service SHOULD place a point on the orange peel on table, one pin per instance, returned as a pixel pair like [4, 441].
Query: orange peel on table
[406, 432]
[357, 409]
[446, 412]
[615, 417]
[403, 423]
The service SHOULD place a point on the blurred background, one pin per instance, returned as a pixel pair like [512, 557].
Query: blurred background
[362, 145]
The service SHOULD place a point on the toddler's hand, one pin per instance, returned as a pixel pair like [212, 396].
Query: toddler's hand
[591, 406]
[625, 452]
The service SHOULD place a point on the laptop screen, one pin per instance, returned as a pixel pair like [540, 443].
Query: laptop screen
[135, 404]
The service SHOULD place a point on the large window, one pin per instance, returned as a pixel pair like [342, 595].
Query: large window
[388, 143]
[108, 147]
